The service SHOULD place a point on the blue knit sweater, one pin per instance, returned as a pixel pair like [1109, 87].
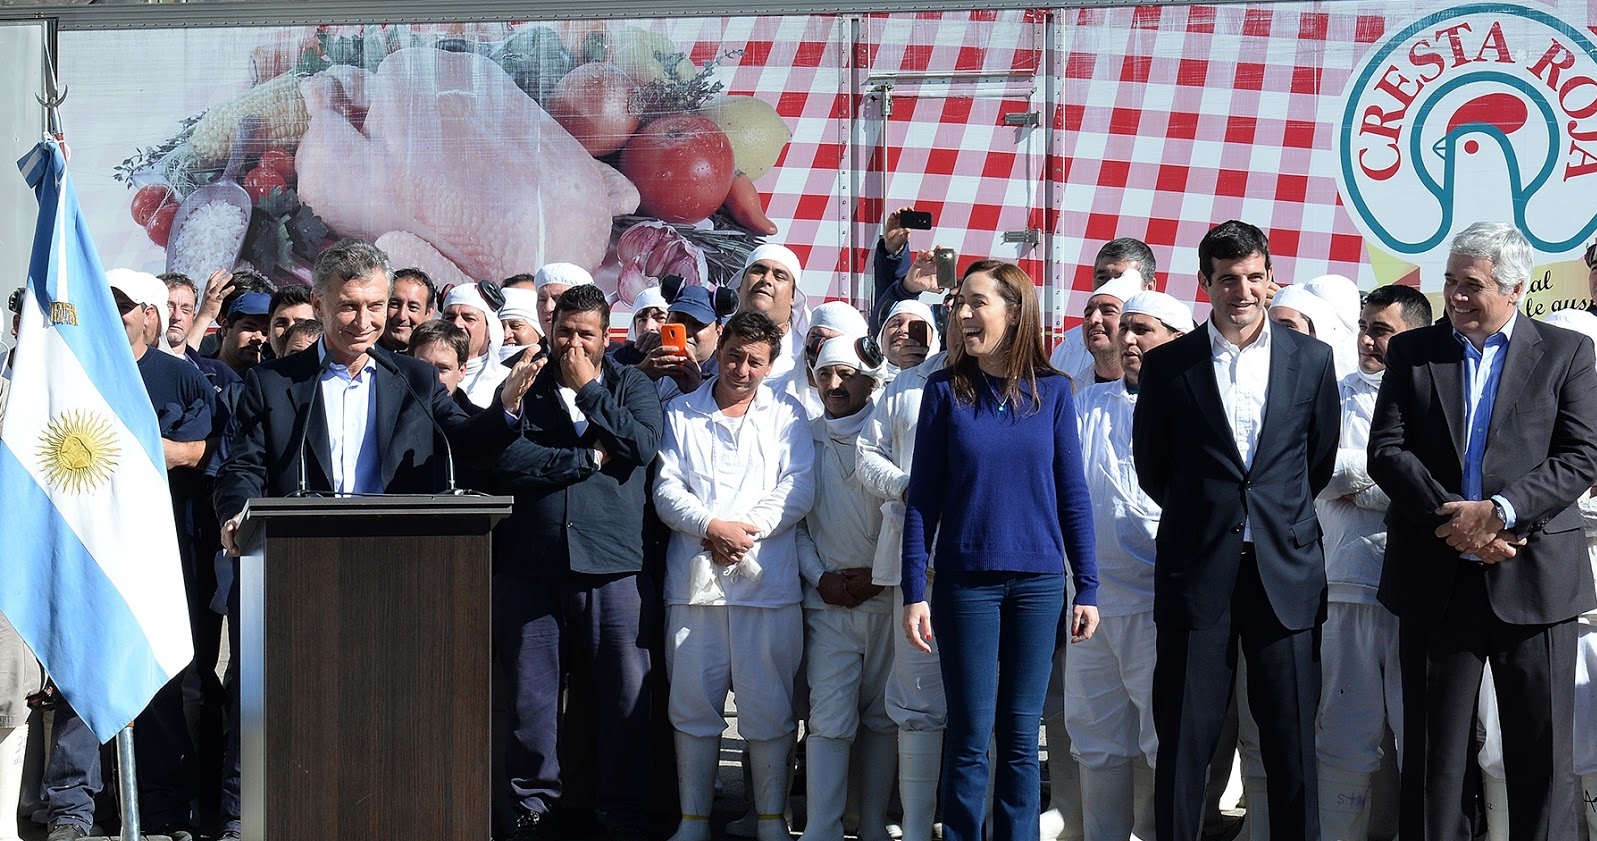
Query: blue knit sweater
[1001, 487]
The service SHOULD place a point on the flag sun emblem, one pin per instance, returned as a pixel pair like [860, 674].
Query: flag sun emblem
[78, 451]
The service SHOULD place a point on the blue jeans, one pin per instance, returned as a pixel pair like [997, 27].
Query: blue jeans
[996, 633]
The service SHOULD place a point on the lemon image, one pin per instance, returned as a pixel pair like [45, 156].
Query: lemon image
[646, 56]
[757, 132]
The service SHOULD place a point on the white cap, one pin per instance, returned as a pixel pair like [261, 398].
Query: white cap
[1343, 296]
[649, 298]
[840, 316]
[520, 302]
[778, 254]
[841, 350]
[1122, 287]
[140, 287]
[565, 274]
[1167, 308]
[1320, 314]
[466, 295]
[1580, 321]
[920, 311]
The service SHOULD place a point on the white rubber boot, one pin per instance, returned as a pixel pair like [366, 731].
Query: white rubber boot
[1061, 821]
[1142, 826]
[878, 754]
[826, 785]
[13, 748]
[1588, 804]
[1496, 791]
[698, 760]
[920, 765]
[1106, 796]
[1256, 820]
[771, 761]
[1344, 804]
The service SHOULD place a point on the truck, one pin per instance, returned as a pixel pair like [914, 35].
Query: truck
[481, 139]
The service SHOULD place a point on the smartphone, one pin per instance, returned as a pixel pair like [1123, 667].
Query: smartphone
[919, 220]
[920, 332]
[947, 267]
[674, 337]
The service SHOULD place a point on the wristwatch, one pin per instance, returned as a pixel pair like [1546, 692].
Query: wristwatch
[1502, 514]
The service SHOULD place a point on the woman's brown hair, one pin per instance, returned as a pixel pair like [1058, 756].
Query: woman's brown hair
[1023, 354]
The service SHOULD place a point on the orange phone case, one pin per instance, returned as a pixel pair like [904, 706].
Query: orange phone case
[674, 336]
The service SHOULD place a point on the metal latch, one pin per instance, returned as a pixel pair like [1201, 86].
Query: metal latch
[884, 92]
[1023, 118]
[1030, 236]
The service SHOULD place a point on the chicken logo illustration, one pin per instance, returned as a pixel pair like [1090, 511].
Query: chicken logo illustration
[1482, 112]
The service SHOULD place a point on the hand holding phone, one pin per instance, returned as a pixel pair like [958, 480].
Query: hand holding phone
[920, 332]
[947, 267]
[674, 337]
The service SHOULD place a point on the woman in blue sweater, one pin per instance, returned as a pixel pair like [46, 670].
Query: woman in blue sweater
[997, 482]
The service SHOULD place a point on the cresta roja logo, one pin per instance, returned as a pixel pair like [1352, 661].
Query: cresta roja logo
[1482, 112]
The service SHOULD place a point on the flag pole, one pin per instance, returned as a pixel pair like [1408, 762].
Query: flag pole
[52, 102]
[129, 780]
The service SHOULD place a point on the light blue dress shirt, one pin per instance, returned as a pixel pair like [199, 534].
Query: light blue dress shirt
[349, 402]
[1483, 371]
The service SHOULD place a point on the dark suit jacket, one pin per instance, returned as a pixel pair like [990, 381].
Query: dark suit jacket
[570, 515]
[1541, 455]
[265, 431]
[1187, 461]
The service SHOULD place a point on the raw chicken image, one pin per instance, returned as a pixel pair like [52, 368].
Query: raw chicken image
[445, 147]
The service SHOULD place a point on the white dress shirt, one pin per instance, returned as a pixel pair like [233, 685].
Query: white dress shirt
[350, 405]
[1243, 375]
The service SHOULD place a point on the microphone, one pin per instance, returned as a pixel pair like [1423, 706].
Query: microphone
[449, 450]
[305, 428]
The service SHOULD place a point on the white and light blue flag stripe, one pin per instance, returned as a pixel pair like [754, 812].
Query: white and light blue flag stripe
[88, 542]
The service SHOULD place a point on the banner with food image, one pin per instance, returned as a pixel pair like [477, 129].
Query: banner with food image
[474, 151]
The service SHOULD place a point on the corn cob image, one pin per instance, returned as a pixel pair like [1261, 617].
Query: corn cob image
[283, 121]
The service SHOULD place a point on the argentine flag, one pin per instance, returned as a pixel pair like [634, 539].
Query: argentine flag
[88, 544]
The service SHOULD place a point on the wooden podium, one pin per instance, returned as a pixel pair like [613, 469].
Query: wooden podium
[364, 667]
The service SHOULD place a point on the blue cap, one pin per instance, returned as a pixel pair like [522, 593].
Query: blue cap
[696, 303]
[250, 303]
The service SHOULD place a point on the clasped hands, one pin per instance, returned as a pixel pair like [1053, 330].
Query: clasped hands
[729, 541]
[847, 587]
[1473, 527]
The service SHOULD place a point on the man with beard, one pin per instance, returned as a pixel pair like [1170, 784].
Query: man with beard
[241, 341]
[570, 593]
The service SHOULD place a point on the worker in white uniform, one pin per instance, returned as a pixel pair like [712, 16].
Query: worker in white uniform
[1072, 355]
[1109, 678]
[1494, 779]
[771, 283]
[848, 619]
[914, 692]
[1362, 687]
[734, 480]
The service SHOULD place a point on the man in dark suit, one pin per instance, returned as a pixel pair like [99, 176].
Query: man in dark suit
[1235, 433]
[1485, 436]
[370, 428]
[570, 594]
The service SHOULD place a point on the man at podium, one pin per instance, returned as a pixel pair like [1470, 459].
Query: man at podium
[343, 417]
[346, 417]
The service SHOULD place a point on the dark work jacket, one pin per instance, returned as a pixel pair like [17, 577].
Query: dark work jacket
[569, 514]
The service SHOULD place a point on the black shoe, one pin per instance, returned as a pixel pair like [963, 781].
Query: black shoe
[231, 835]
[66, 832]
[528, 827]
